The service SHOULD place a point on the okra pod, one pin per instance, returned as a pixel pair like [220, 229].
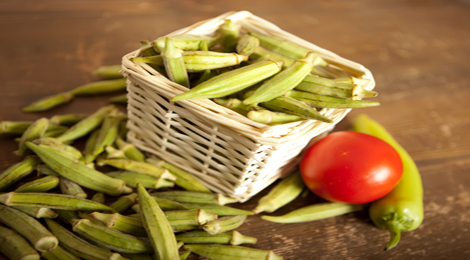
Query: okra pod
[315, 212]
[110, 238]
[59, 253]
[39, 185]
[86, 125]
[166, 204]
[174, 63]
[272, 118]
[130, 150]
[14, 127]
[184, 255]
[80, 173]
[328, 101]
[148, 181]
[294, 107]
[147, 49]
[157, 226]
[50, 200]
[36, 130]
[247, 44]
[233, 81]
[78, 246]
[196, 61]
[282, 193]
[156, 59]
[357, 92]
[228, 36]
[31, 229]
[36, 212]
[217, 209]
[194, 197]
[44, 169]
[99, 197]
[100, 87]
[185, 42]
[223, 224]
[89, 157]
[183, 178]
[138, 256]
[230, 252]
[16, 247]
[202, 237]
[67, 215]
[69, 187]
[282, 82]
[124, 202]
[179, 221]
[108, 72]
[234, 104]
[64, 149]
[17, 172]
[49, 102]
[108, 132]
[67, 119]
[120, 99]
[136, 166]
[129, 225]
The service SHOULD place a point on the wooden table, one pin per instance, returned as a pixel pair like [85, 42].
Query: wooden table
[418, 52]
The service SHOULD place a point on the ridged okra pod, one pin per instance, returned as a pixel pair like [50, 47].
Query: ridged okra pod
[194, 197]
[39, 185]
[136, 166]
[67, 119]
[294, 107]
[185, 42]
[89, 156]
[79, 173]
[86, 125]
[119, 99]
[108, 132]
[110, 238]
[247, 44]
[174, 63]
[228, 36]
[37, 212]
[202, 237]
[99, 197]
[282, 82]
[166, 204]
[356, 92]
[148, 181]
[234, 104]
[14, 127]
[130, 150]
[31, 229]
[108, 72]
[156, 59]
[129, 225]
[196, 61]
[219, 210]
[124, 202]
[16, 247]
[223, 224]
[315, 212]
[233, 81]
[183, 178]
[69, 187]
[59, 253]
[17, 172]
[78, 246]
[100, 87]
[282, 193]
[230, 252]
[51, 200]
[272, 118]
[157, 226]
[34, 131]
[328, 101]
[49, 102]
[64, 149]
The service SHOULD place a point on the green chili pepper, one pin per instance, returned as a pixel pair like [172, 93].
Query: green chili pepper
[402, 208]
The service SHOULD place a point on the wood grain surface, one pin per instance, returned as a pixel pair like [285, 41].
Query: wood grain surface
[418, 51]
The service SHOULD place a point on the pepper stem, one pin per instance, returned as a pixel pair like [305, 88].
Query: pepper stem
[395, 233]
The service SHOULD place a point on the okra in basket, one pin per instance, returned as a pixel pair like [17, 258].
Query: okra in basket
[267, 79]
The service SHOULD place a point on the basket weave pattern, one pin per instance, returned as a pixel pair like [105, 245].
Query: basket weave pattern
[226, 151]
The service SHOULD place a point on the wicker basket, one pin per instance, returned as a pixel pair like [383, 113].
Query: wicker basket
[226, 151]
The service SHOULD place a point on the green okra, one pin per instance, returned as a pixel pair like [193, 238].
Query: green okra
[37, 212]
[80, 173]
[223, 224]
[183, 178]
[357, 93]
[34, 131]
[281, 194]
[66, 150]
[17, 172]
[147, 49]
[219, 210]
[166, 204]
[39, 185]
[59, 253]
[174, 63]
[189, 217]
[108, 132]
[185, 42]
[16, 247]
[31, 229]
[129, 225]
[315, 212]
[206, 75]
[156, 59]
[100, 87]
[196, 61]
[157, 226]
[233, 81]
[54, 133]
[272, 118]
[294, 107]
[67, 119]
[69, 187]
[148, 181]
[49, 102]
[108, 72]
[86, 125]
[178, 223]
[99, 197]
[352, 80]
[113, 153]
[328, 101]
[202, 237]
[184, 255]
[228, 36]
[136, 166]
[130, 150]
[51, 200]
[109, 238]
[120, 99]
[19, 127]
[138, 256]
[124, 202]
[247, 44]
[230, 252]
[44, 169]
[78, 246]
[194, 197]
[234, 104]
[67, 215]
[89, 157]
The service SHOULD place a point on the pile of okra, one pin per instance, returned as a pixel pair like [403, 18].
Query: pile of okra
[267, 79]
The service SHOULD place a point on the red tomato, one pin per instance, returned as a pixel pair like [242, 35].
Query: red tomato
[351, 167]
